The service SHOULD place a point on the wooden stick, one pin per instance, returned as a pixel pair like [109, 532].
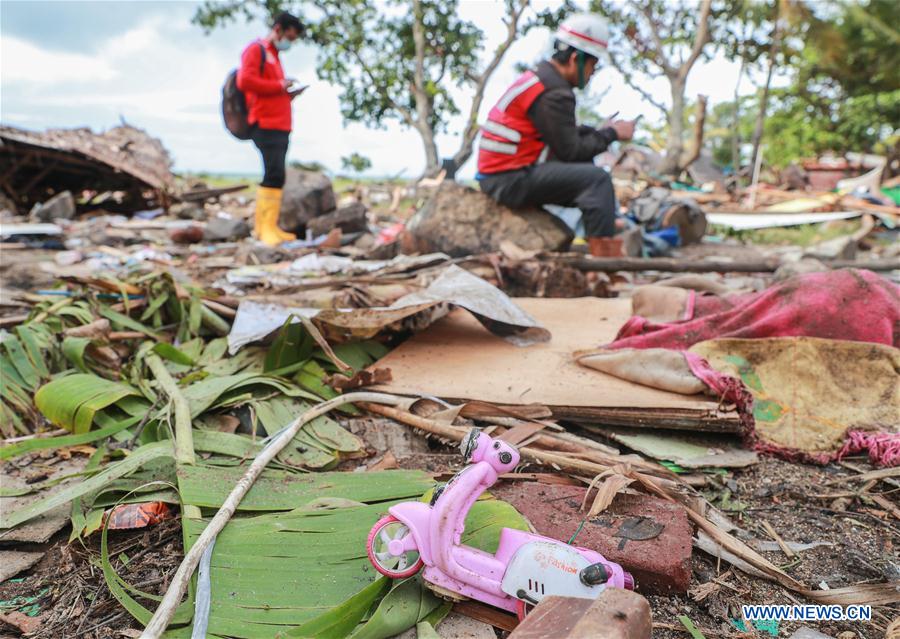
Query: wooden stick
[12, 320]
[180, 581]
[123, 335]
[675, 265]
[221, 309]
[778, 540]
[52, 433]
[884, 503]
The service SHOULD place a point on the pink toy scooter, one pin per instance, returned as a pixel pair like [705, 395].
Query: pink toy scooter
[526, 567]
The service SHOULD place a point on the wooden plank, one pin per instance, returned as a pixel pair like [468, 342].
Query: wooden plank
[457, 358]
[615, 614]
[487, 614]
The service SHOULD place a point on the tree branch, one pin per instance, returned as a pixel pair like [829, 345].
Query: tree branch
[422, 107]
[405, 114]
[659, 53]
[699, 121]
[515, 10]
[649, 98]
[700, 40]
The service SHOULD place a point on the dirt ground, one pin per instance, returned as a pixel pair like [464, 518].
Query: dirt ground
[67, 593]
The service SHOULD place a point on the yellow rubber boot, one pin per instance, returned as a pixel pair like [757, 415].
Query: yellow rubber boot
[268, 206]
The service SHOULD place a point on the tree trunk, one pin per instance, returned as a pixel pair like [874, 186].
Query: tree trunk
[674, 144]
[423, 101]
[736, 125]
[764, 98]
[514, 13]
[432, 161]
[468, 142]
[761, 114]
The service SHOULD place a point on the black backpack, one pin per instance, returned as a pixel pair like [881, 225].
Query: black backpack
[234, 102]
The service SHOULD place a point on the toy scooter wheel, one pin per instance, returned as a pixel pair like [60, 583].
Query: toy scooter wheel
[386, 530]
[522, 609]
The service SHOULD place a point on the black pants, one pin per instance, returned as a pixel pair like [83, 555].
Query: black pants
[578, 184]
[273, 146]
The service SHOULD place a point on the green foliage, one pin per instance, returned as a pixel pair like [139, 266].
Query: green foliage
[408, 603]
[371, 54]
[647, 35]
[851, 47]
[801, 235]
[368, 48]
[846, 92]
[806, 126]
[307, 166]
[842, 58]
[721, 125]
[356, 163]
[73, 401]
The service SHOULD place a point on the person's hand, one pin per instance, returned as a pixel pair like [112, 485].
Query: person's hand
[624, 129]
[287, 82]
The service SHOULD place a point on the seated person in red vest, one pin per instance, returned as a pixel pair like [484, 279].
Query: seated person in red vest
[532, 152]
[269, 96]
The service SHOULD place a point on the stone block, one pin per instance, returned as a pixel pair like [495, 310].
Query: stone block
[350, 219]
[461, 221]
[649, 537]
[306, 194]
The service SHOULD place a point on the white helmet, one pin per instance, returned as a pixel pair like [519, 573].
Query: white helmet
[586, 32]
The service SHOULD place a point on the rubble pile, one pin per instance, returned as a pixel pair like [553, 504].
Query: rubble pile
[715, 415]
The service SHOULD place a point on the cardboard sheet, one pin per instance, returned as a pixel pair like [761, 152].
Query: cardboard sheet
[456, 358]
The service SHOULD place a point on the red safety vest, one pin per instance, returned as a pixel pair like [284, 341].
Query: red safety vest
[509, 140]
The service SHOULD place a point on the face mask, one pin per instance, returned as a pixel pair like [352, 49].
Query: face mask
[283, 45]
[582, 81]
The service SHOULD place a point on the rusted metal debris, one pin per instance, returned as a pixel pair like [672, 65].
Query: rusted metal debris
[124, 160]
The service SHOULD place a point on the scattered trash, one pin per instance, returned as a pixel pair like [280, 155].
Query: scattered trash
[60, 206]
[161, 369]
[744, 221]
[688, 450]
[128, 516]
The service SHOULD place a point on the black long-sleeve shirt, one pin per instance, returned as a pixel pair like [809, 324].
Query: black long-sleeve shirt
[553, 114]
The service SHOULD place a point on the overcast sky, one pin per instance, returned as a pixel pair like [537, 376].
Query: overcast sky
[91, 63]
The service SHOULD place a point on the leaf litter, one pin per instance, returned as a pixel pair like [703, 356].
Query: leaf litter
[96, 384]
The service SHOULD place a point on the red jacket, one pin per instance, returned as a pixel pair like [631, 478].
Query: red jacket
[268, 104]
[509, 139]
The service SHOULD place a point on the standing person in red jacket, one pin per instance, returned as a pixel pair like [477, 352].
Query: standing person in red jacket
[269, 94]
[532, 151]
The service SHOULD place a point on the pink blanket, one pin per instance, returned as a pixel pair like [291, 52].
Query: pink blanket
[849, 304]
[852, 305]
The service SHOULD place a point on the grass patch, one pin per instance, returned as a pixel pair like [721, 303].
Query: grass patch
[802, 235]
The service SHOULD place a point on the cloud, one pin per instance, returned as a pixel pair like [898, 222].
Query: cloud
[26, 63]
[146, 62]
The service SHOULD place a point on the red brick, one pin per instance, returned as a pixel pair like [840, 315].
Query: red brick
[615, 614]
[661, 565]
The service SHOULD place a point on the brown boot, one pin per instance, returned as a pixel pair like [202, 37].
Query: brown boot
[606, 246]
